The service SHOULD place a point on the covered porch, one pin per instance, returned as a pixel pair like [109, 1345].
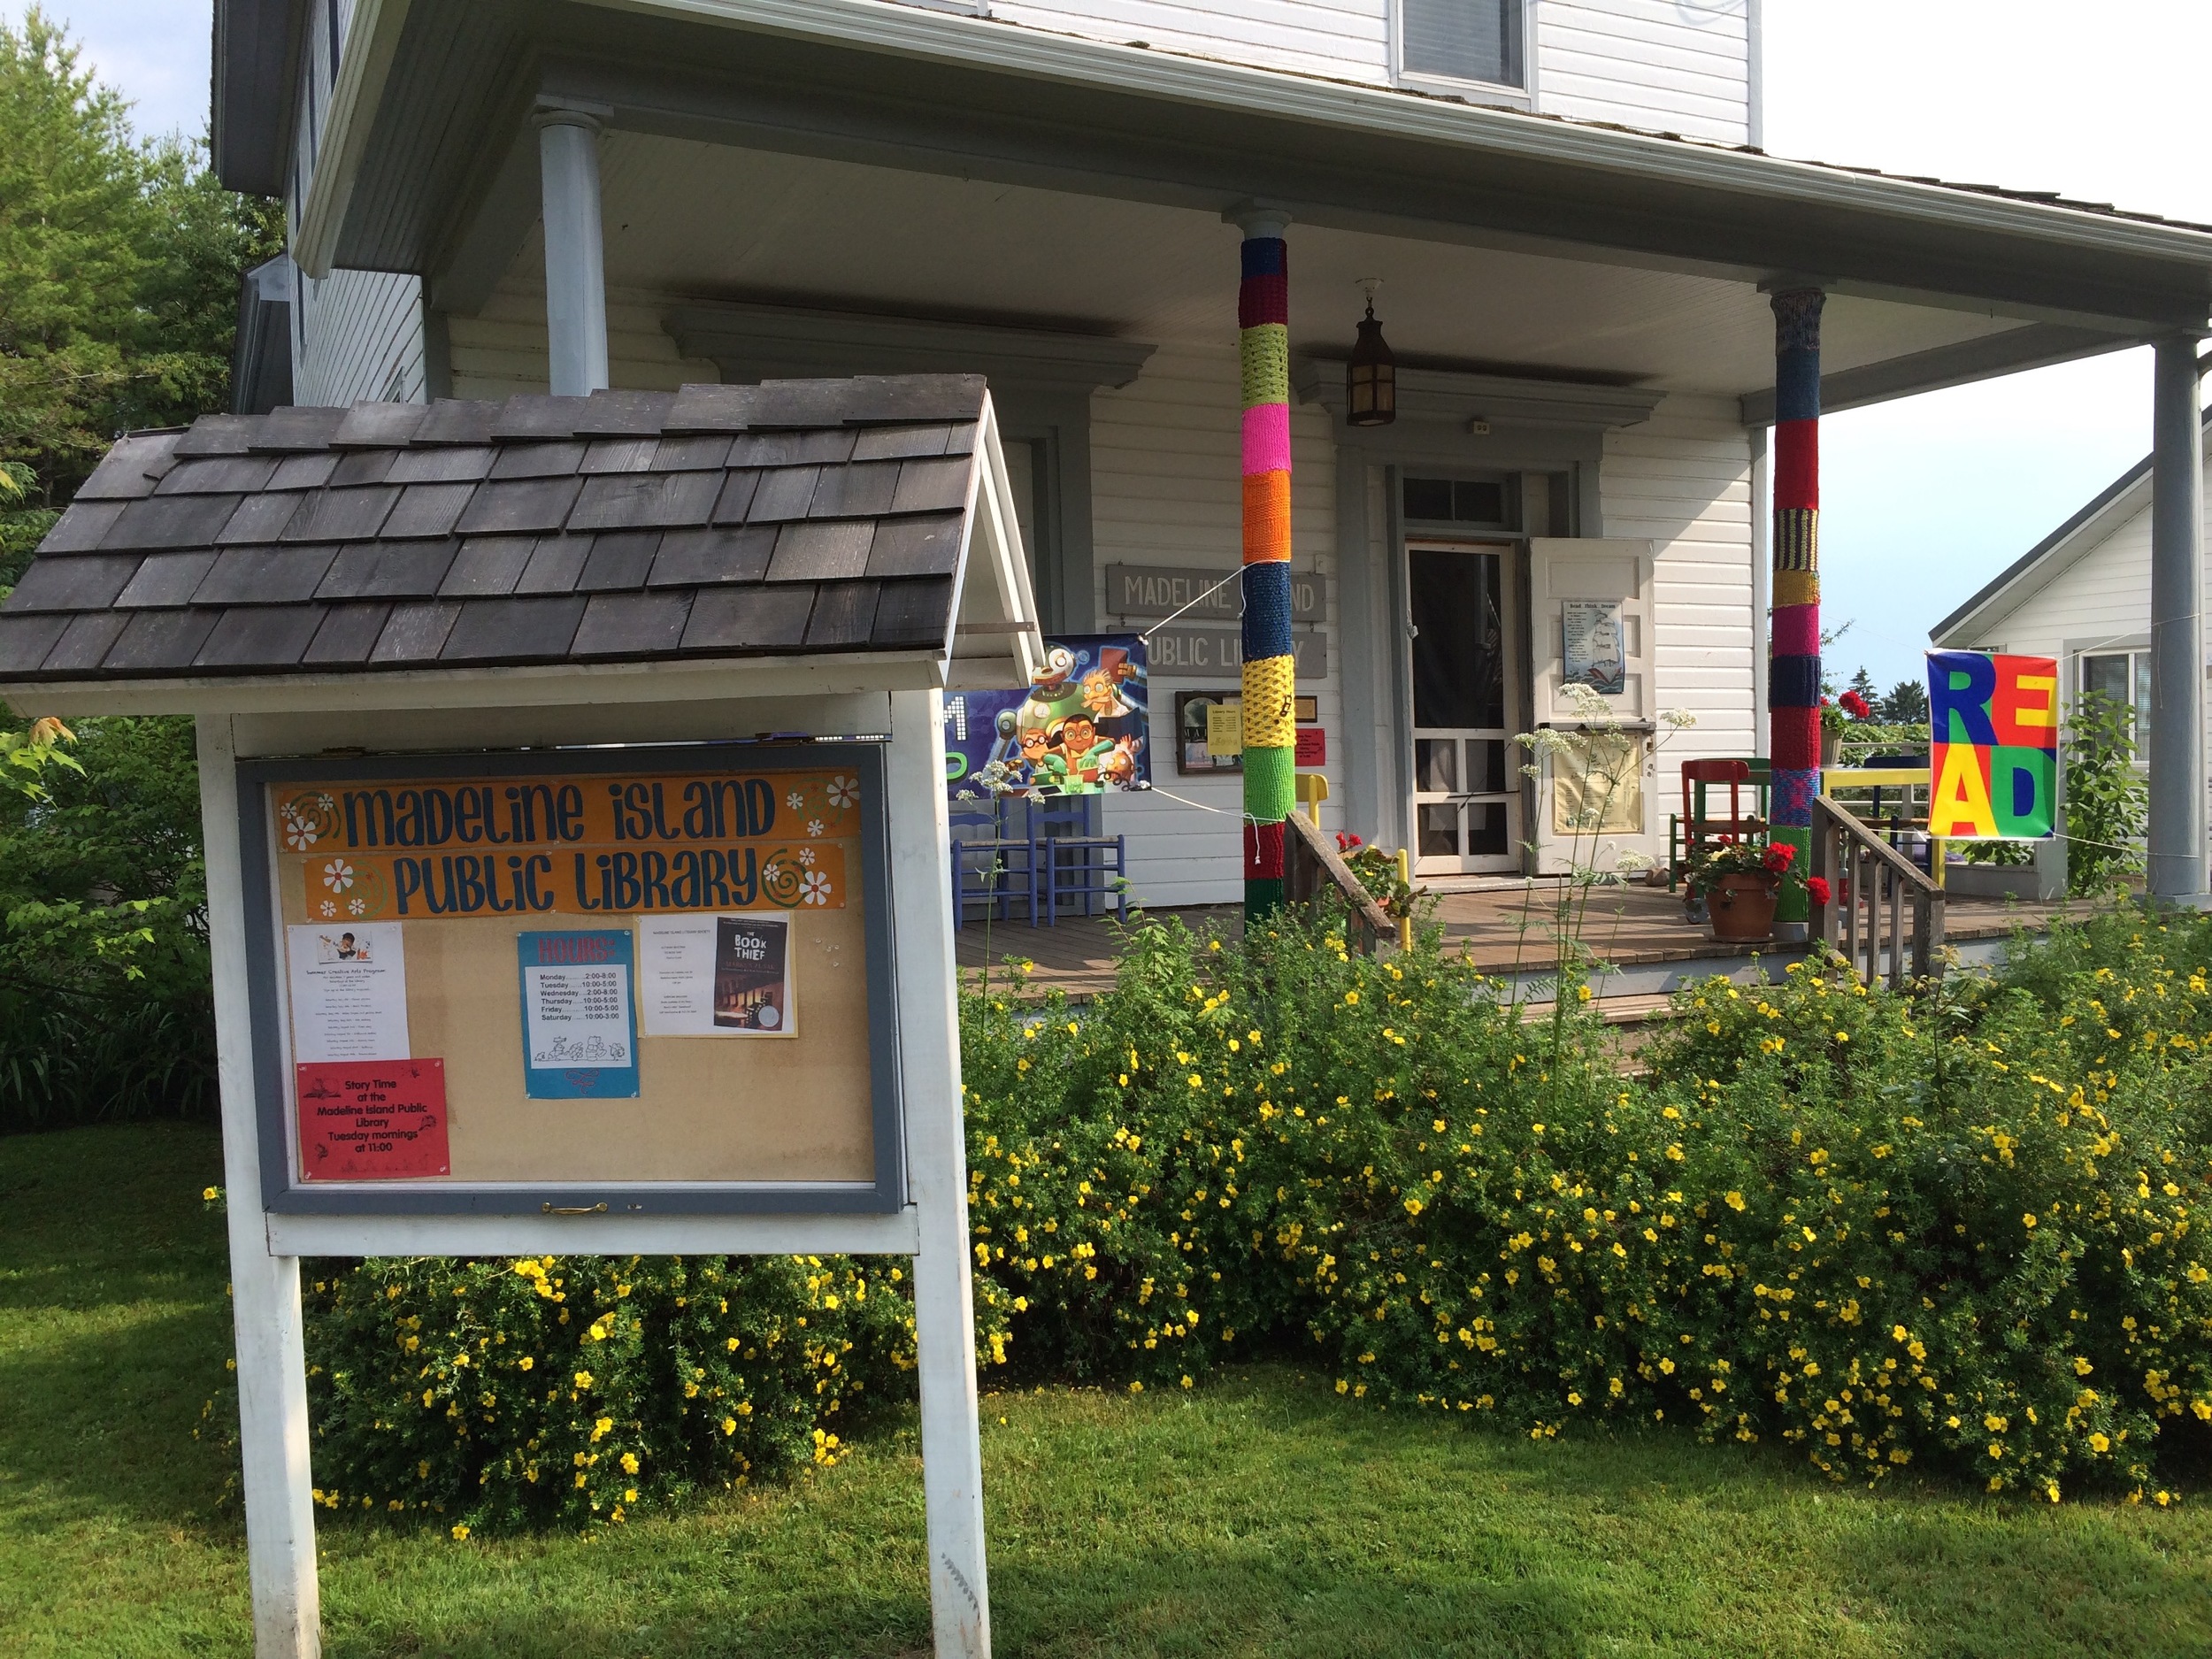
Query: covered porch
[1505, 930]
[1581, 318]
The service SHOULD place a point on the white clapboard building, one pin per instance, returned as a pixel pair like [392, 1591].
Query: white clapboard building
[1562, 206]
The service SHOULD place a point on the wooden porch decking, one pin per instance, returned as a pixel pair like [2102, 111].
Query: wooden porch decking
[1505, 931]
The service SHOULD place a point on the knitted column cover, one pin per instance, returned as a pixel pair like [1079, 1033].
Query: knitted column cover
[1793, 680]
[1270, 737]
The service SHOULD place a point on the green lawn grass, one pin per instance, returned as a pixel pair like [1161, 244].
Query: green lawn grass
[1260, 1515]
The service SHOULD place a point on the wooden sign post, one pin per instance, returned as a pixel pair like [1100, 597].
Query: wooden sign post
[532, 956]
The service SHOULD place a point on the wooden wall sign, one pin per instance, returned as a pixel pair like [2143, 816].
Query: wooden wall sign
[498, 982]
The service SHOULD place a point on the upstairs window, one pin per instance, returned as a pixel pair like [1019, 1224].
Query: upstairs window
[1462, 40]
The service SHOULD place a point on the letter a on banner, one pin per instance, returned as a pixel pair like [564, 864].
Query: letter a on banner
[1995, 758]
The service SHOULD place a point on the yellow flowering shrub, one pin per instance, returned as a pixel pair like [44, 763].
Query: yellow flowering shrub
[1955, 1232]
[572, 1389]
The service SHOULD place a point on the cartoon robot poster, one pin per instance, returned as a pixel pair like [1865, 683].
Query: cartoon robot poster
[1080, 728]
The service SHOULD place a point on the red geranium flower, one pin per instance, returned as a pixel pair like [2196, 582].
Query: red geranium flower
[1345, 841]
[1857, 706]
[1817, 886]
[1778, 856]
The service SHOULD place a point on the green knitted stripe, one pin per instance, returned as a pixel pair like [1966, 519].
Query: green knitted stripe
[1270, 784]
[1794, 903]
[1263, 897]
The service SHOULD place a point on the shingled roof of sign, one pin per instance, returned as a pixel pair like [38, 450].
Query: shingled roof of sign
[790, 518]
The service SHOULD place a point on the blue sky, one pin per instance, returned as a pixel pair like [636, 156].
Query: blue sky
[1924, 500]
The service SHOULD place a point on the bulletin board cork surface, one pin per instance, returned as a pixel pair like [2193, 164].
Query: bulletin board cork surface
[453, 872]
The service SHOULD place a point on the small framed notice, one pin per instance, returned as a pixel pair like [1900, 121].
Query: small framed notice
[579, 1026]
[1594, 651]
[372, 1120]
[715, 976]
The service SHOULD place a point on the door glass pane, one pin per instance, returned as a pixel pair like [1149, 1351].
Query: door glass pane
[1467, 40]
[2142, 704]
[1436, 765]
[1440, 831]
[1459, 639]
[1485, 767]
[1485, 829]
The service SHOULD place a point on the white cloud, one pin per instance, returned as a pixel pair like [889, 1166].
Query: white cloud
[155, 52]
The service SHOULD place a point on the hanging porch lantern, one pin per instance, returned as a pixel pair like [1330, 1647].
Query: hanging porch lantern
[1370, 376]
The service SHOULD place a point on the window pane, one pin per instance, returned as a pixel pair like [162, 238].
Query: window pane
[1478, 503]
[1459, 639]
[1467, 40]
[2142, 705]
[2106, 676]
[1456, 501]
[1429, 498]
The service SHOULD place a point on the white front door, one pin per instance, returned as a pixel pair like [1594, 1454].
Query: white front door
[1466, 790]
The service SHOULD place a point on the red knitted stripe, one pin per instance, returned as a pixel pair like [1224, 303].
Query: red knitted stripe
[1262, 299]
[1263, 851]
[1797, 464]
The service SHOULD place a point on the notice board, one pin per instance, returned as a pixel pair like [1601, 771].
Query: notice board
[656, 979]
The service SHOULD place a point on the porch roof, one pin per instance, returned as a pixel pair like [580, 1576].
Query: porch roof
[427, 166]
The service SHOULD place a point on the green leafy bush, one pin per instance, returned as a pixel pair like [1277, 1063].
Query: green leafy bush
[2107, 811]
[105, 1011]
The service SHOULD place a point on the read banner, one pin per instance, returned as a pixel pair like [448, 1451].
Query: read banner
[1994, 760]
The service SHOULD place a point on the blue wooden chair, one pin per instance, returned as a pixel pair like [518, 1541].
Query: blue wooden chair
[991, 865]
[1072, 862]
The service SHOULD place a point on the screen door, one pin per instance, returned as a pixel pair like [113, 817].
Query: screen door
[1466, 799]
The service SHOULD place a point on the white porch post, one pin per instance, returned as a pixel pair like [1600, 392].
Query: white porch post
[937, 1176]
[2177, 735]
[575, 256]
[272, 1429]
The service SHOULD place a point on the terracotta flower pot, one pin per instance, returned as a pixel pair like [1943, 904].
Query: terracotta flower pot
[1742, 907]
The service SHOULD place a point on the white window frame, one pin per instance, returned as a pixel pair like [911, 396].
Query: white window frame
[1520, 97]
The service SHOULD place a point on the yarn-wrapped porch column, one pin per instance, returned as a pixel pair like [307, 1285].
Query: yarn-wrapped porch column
[1270, 672]
[1793, 676]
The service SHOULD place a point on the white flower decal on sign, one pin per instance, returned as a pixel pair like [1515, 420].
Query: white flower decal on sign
[844, 792]
[299, 834]
[814, 826]
[357, 907]
[337, 875]
[814, 887]
[328, 907]
[795, 800]
[806, 855]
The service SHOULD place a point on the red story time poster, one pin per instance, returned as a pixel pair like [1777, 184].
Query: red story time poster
[372, 1119]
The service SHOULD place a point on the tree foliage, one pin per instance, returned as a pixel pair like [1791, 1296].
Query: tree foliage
[119, 263]
[119, 260]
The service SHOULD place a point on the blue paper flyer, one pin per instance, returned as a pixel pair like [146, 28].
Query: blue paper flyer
[578, 1015]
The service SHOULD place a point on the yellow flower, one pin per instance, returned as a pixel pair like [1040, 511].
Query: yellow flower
[526, 1364]
[460, 1532]
[629, 1467]
[1351, 998]
[583, 1379]
[1734, 1200]
[210, 1194]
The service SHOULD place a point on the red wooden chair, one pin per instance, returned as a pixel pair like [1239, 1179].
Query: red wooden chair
[1698, 827]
